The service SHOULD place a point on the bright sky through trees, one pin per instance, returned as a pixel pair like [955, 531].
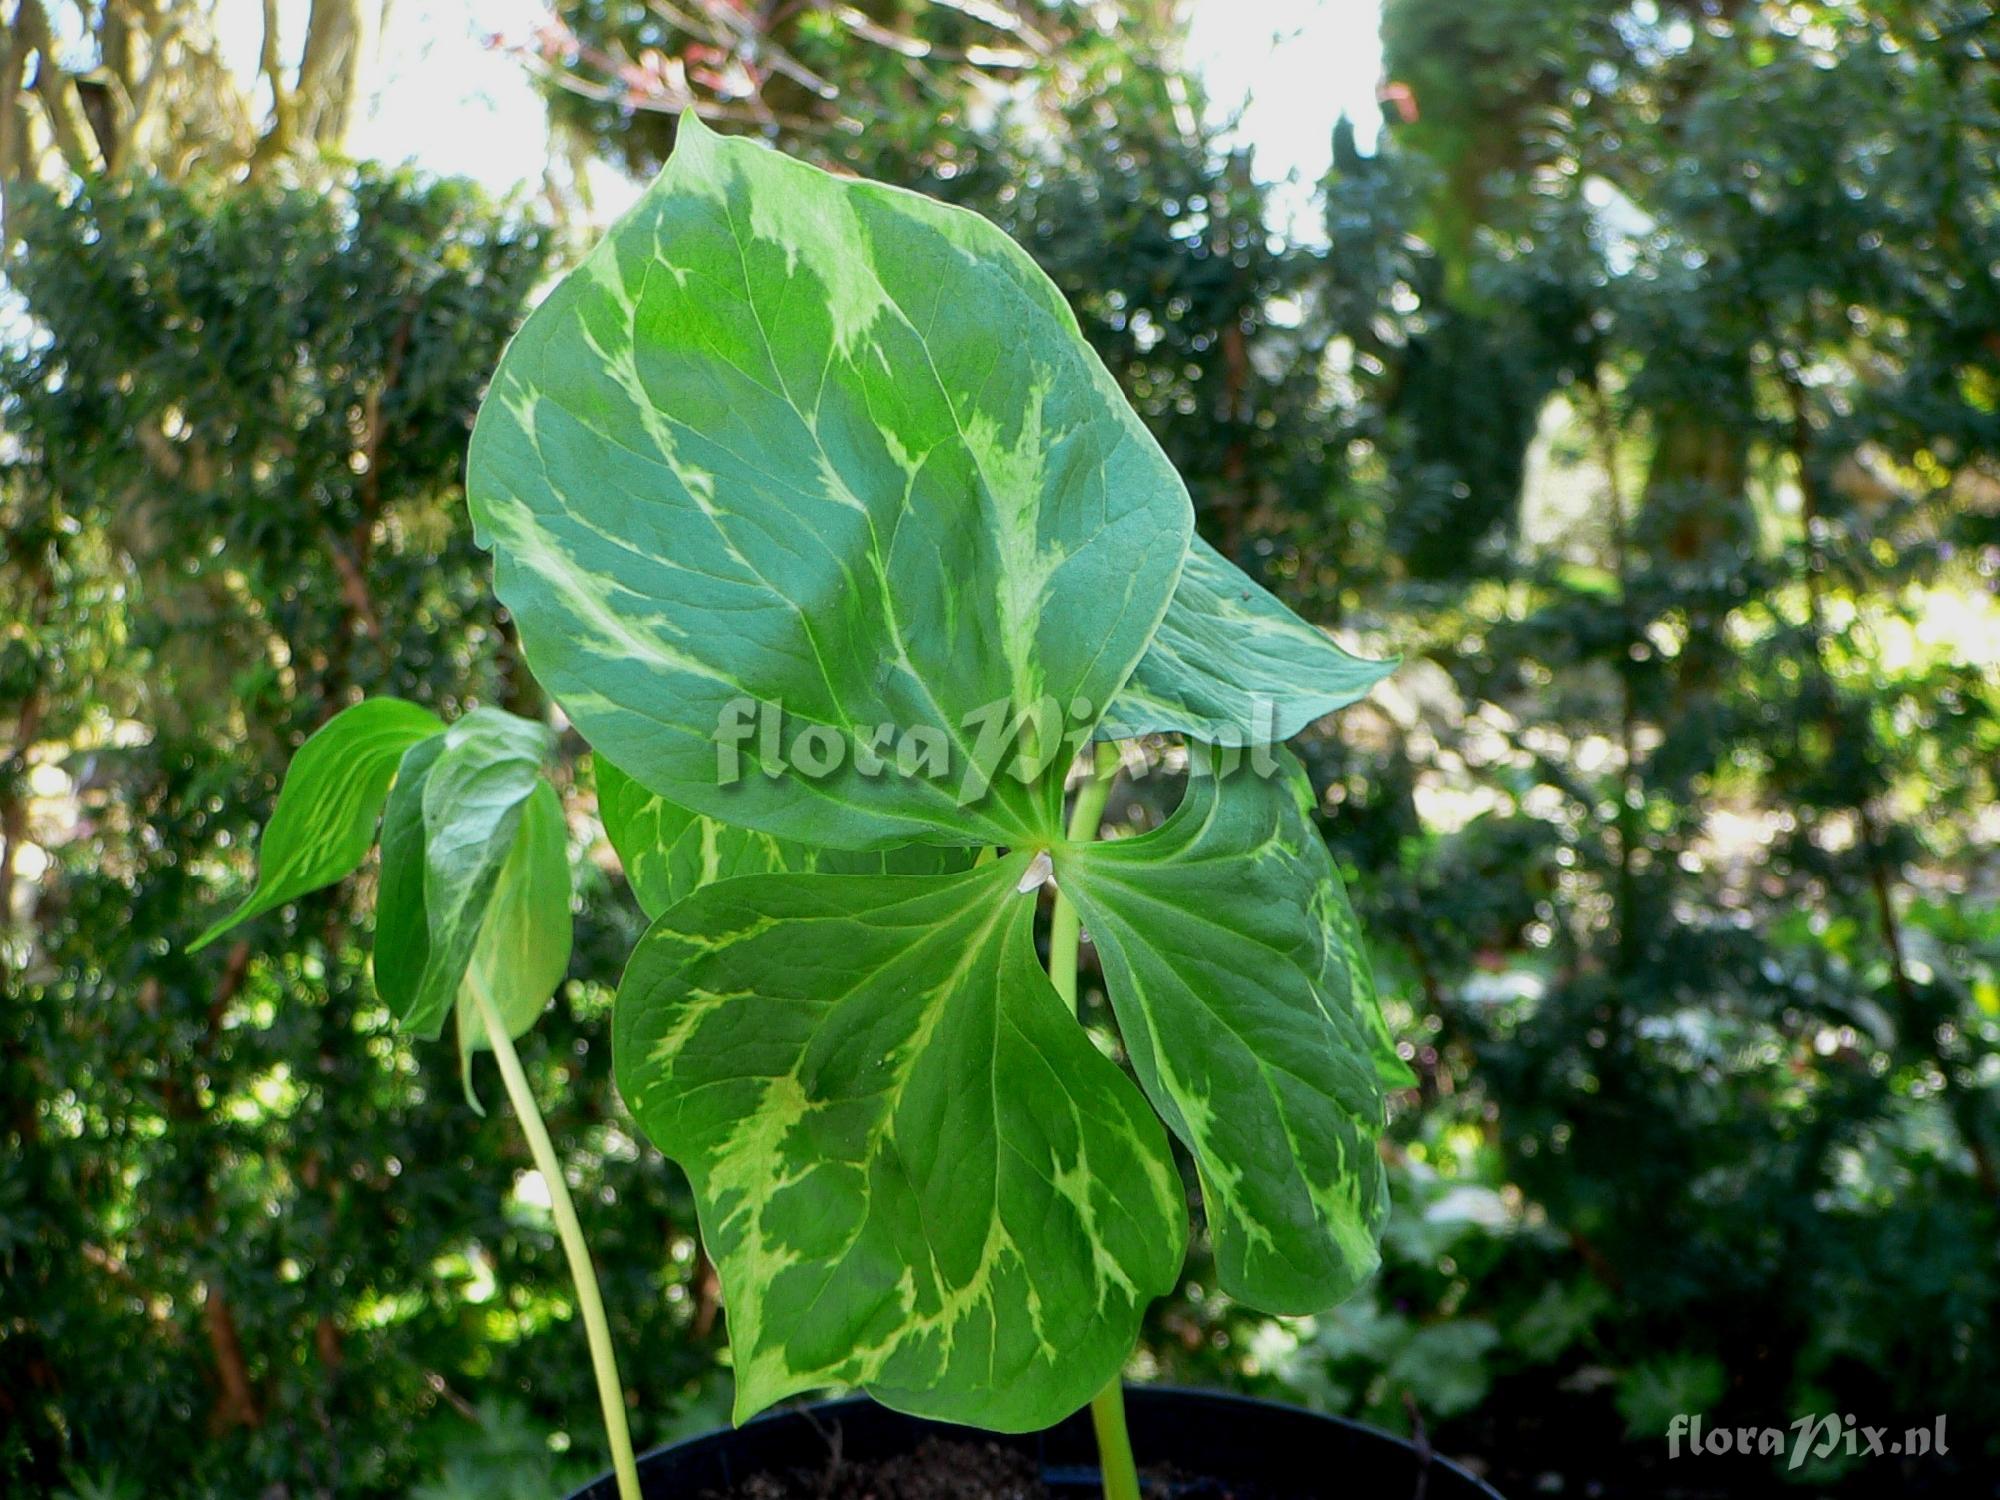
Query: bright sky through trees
[451, 102]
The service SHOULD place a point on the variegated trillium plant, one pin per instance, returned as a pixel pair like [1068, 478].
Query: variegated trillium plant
[832, 536]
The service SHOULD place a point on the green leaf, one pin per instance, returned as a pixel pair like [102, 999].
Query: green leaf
[669, 853]
[402, 926]
[1241, 1010]
[1349, 970]
[1231, 665]
[325, 818]
[472, 806]
[915, 1172]
[788, 439]
[524, 943]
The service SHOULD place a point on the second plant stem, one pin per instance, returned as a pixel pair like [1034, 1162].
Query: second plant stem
[1107, 1408]
[610, 1392]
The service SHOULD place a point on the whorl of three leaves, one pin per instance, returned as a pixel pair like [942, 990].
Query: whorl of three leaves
[840, 452]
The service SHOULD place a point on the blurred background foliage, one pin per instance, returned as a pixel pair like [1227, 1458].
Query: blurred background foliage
[1639, 388]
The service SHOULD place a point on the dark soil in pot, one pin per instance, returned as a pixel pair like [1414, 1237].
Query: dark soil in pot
[1191, 1445]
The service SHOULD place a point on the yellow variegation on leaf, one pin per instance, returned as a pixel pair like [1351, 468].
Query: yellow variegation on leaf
[915, 1172]
[836, 450]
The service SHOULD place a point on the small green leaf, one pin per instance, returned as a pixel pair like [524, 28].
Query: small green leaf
[325, 818]
[1243, 1012]
[1231, 665]
[472, 802]
[524, 943]
[914, 1171]
[791, 442]
[402, 927]
[669, 853]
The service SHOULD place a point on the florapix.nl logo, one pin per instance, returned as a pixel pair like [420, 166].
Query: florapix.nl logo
[754, 736]
[1810, 1437]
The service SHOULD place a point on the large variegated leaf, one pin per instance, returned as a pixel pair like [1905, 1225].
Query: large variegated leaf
[333, 792]
[1231, 665]
[833, 449]
[669, 852]
[524, 941]
[1248, 1030]
[915, 1172]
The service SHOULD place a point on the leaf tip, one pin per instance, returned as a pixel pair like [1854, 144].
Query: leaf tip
[214, 931]
[465, 1083]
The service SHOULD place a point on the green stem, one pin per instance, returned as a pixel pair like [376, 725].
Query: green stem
[1107, 1408]
[1065, 922]
[610, 1393]
[1114, 1443]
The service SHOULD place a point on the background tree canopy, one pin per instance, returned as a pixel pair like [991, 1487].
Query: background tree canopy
[1639, 388]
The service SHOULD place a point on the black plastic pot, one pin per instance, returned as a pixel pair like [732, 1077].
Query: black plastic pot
[1195, 1434]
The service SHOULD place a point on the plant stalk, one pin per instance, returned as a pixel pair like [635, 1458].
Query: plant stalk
[1065, 922]
[610, 1392]
[1107, 1408]
[1114, 1443]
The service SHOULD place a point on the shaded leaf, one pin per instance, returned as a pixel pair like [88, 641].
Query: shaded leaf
[1350, 972]
[1247, 1029]
[765, 447]
[324, 822]
[915, 1172]
[669, 852]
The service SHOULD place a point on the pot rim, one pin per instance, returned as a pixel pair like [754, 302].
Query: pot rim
[1136, 1394]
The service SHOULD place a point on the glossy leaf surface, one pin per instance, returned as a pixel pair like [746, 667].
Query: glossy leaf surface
[402, 926]
[473, 798]
[524, 942]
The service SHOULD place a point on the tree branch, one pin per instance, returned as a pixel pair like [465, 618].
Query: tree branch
[55, 89]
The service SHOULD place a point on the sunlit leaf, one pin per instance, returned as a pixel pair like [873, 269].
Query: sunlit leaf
[791, 440]
[324, 822]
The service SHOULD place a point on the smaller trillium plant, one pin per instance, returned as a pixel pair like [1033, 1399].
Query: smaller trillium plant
[829, 532]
